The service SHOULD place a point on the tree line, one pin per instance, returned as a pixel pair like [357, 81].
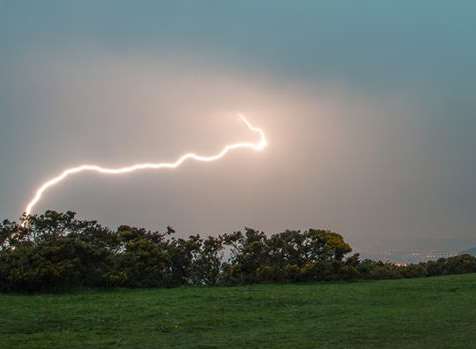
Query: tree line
[57, 251]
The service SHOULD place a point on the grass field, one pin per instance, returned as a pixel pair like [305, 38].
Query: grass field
[414, 313]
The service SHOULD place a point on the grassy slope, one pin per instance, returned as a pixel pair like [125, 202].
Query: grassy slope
[417, 313]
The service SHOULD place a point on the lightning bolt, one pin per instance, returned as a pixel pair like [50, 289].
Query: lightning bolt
[258, 146]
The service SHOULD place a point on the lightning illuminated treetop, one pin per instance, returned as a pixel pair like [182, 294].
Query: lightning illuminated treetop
[258, 146]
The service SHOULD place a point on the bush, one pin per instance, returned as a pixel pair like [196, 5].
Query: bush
[56, 251]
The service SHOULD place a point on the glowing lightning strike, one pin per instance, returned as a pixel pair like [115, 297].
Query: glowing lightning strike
[259, 146]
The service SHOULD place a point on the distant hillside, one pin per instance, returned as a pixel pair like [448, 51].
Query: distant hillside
[471, 251]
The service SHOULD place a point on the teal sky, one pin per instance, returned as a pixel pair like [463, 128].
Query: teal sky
[369, 106]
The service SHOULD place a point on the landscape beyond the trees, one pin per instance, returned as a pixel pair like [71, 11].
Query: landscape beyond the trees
[57, 251]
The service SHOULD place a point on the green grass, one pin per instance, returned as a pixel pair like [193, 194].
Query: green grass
[415, 313]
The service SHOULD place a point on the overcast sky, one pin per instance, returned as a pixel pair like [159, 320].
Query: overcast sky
[369, 107]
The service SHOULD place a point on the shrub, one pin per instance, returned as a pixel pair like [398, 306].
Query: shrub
[56, 251]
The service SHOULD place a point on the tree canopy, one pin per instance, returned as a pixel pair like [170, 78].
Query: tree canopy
[57, 251]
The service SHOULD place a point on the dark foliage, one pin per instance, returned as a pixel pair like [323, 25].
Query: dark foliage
[56, 251]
